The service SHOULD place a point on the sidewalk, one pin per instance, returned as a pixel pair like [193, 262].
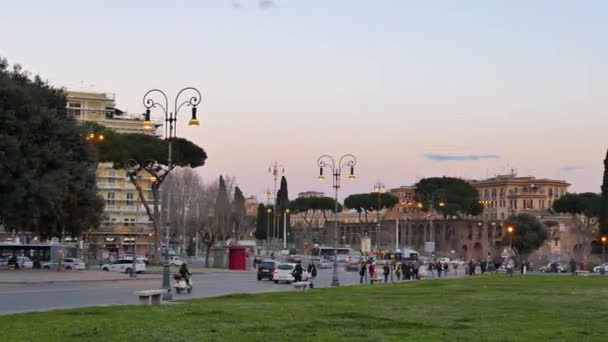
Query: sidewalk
[93, 275]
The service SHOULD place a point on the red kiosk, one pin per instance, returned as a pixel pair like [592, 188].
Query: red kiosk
[237, 258]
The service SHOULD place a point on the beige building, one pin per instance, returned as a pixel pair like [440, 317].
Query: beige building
[125, 221]
[505, 195]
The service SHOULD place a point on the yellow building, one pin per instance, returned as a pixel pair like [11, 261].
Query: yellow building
[125, 220]
[505, 195]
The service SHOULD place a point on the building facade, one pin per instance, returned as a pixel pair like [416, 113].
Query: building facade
[505, 195]
[125, 221]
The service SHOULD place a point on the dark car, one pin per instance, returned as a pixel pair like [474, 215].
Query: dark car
[266, 269]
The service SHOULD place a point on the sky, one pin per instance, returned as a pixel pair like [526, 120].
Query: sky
[412, 88]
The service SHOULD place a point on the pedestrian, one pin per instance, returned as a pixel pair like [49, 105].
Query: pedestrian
[387, 271]
[362, 273]
[372, 272]
[431, 268]
[510, 266]
[398, 271]
[416, 270]
[438, 268]
[446, 268]
[482, 266]
[489, 262]
[297, 272]
[472, 267]
[573, 266]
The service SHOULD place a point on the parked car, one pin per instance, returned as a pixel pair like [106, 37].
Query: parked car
[124, 265]
[23, 262]
[176, 261]
[325, 263]
[266, 269]
[598, 269]
[67, 264]
[554, 267]
[352, 265]
[283, 273]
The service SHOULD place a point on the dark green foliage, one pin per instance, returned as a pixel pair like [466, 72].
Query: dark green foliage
[603, 214]
[47, 169]
[369, 202]
[261, 222]
[238, 213]
[529, 233]
[304, 204]
[586, 203]
[282, 204]
[459, 197]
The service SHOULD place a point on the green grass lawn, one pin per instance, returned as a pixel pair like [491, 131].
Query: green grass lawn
[534, 308]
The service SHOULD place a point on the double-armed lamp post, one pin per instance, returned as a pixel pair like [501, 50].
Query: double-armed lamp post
[327, 162]
[192, 100]
[379, 189]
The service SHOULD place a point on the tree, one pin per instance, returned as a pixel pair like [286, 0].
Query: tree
[238, 213]
[141, 152]
[47, 169]
[603, 214]
[458, 196]
[282, 206]
[308, 207]
[582, 207]
[364, 203]
[260, 223]
[528, 235]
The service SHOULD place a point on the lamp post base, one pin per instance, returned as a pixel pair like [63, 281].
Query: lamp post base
[334, 279]
[167, 281]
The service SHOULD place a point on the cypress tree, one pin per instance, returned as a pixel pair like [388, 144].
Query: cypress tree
[283, 204]
[604, 201]
[260, 224]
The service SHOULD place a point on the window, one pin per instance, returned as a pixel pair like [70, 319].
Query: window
[130, 198]
[550, 192]
[111, 180]
[75, 108]
[541, 204]
[126, 222]
[110, 198]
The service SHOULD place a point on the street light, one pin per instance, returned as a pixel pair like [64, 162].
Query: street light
[285, 228]
[510, 230]
[604, 248]
[325, 161]
[276, 170]
[193, 100]
[379, 188]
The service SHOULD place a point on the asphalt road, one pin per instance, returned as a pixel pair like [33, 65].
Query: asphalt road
[46, 296]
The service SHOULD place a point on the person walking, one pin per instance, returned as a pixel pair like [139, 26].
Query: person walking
[398, 271]
[372, 272]
[362, 271]
[438, 268]
[387, 271]
[312, 272]
[572, 266]
[510, 266]
[431, 268]
[446, 268]
[472, 267]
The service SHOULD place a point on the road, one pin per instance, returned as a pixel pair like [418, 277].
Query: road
[46, 296]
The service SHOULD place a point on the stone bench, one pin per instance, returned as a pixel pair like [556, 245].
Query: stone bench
[378, 280]
[582, 273]
[150, 297]
[301, 285]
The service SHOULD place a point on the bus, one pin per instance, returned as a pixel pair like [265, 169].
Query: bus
[36, 252]
[406, 255]
[328, 252]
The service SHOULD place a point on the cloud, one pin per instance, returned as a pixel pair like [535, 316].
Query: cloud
[236, 5]
[452, 157]
[569, 168]
[266, 4]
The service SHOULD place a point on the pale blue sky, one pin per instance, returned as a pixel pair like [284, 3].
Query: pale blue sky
[394, 82]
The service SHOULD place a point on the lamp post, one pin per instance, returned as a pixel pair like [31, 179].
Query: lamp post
[379, 189]
[269, 212]
[510, 230]
[285, 228]
[430, 199]
[604, 248]
[325, 161]
[275, 170]
[170, 133]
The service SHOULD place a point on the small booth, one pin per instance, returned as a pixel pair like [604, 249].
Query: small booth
[237, 258]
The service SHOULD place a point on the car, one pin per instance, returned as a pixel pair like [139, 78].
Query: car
[176, 261]
[326, 263]
[139, 258]
[23, 262]
[343, 257]
[554, 267]
[353, 264]
[67, 264]
[443, 260]
[266, 269]
[123, 265]
[599, 268]
[283, 273]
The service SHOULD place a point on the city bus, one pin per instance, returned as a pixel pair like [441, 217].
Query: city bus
[328, 252]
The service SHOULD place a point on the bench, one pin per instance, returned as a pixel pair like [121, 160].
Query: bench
[150, 297]
[378, 280]
[301, 285]
[582, 273]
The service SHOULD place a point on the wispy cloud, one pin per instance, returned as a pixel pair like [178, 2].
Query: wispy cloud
[236, 5]
[266, 4]
[569, 168]
[456, 157]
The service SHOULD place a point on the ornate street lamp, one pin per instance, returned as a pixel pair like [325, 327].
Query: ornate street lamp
[193, 101]
[346, 161]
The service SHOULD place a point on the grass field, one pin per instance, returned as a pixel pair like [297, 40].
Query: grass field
[497, 308]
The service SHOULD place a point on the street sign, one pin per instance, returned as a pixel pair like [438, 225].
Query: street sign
[429, 246]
